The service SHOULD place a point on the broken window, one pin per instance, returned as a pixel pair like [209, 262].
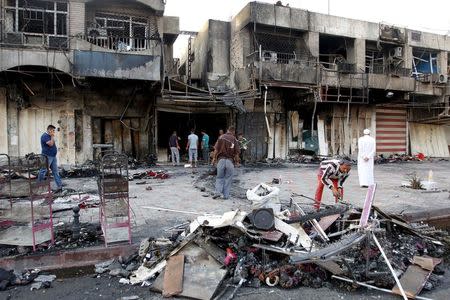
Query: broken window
[333, 51]
[36, 17]
[280, 48]
[424, 64]
[385, 58]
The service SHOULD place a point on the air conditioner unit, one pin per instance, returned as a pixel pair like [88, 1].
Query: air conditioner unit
[440, 78]
[269, 56]
[398, 52]
[96, 32]
[15, 38]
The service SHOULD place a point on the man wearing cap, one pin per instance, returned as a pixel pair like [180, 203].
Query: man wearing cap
[332, 173]
[366, 153]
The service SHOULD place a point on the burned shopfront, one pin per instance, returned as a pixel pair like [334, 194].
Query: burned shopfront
[321, 80]
[92, 70]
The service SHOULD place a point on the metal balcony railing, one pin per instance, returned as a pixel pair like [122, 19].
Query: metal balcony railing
[268, 56]
[121, 44]
[388, 70]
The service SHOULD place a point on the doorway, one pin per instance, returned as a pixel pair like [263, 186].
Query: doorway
[182, 123]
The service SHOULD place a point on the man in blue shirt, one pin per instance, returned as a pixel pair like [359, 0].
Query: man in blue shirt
[205, 147]
[49, 149]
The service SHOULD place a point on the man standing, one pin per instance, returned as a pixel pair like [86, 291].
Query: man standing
[226, 155]
[332, 173]
[192, 147]
[174, 149]
[49, 149]
[366, 153]
[205, 146]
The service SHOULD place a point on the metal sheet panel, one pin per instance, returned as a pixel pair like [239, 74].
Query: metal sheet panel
[117, 65]
[173, 276]
[391, 130]
[428, 139]
[253, 126]
[202, 274]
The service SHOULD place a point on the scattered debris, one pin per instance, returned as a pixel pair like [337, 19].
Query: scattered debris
[283, 248]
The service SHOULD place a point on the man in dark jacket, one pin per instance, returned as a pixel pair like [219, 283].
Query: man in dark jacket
[226, 155]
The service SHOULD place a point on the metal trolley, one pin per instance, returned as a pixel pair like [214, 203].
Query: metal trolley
[26, 214]
[114, 197]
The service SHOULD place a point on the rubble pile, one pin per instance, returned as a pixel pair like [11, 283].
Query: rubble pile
[37, 279]
[90, 235]
[396, 158]
[289, 246]
[150, 174]
[88, 169]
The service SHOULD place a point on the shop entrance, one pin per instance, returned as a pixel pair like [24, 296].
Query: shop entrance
[182, 124]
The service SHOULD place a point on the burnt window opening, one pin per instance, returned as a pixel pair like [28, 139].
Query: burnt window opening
[282, 49]
[333, 50]
[385, 58]
[36, 17]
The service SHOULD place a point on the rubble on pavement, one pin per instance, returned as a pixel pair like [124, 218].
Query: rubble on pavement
[287, 245]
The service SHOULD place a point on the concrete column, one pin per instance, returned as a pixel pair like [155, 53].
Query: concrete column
[3, 122]
[312, 42]
[442, 62]
[357, 54]
[13, 129]
[408, 57]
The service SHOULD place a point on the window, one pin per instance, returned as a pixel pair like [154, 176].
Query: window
[38, 17]
[124, 33]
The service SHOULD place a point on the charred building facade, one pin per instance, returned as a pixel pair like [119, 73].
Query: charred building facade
[319, 80]
[292, 81]
[93, 68]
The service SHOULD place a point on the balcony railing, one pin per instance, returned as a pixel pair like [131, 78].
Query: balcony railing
[39, 40]
[282, 58]
[388, 70]
[120, 44]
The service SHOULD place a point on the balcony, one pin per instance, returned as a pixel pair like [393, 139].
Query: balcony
[285, 67]
[121, 44]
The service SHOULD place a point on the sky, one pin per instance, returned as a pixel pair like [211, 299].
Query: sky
[431, 15]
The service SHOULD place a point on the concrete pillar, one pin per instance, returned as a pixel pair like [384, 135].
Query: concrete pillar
[312, 42]
[408, 57]
[442, 62]
[3, 122]
[13, 128]
[356, 54]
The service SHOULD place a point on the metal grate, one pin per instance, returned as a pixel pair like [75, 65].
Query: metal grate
[34, 22]
[30, 199]
[114, 195]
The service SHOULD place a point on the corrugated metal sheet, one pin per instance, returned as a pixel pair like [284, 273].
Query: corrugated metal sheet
[253, 126]
[391, 130]
[428, 139]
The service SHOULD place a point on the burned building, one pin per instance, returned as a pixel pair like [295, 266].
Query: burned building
[292, 81]
[93, 68]
[319, 80]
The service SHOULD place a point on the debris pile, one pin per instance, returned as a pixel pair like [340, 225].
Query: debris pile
[397, 158]
[37, 280]
[150, 174]
[88, 169]
[289, 246]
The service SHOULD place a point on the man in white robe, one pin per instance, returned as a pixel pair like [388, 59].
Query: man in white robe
[366, 154]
